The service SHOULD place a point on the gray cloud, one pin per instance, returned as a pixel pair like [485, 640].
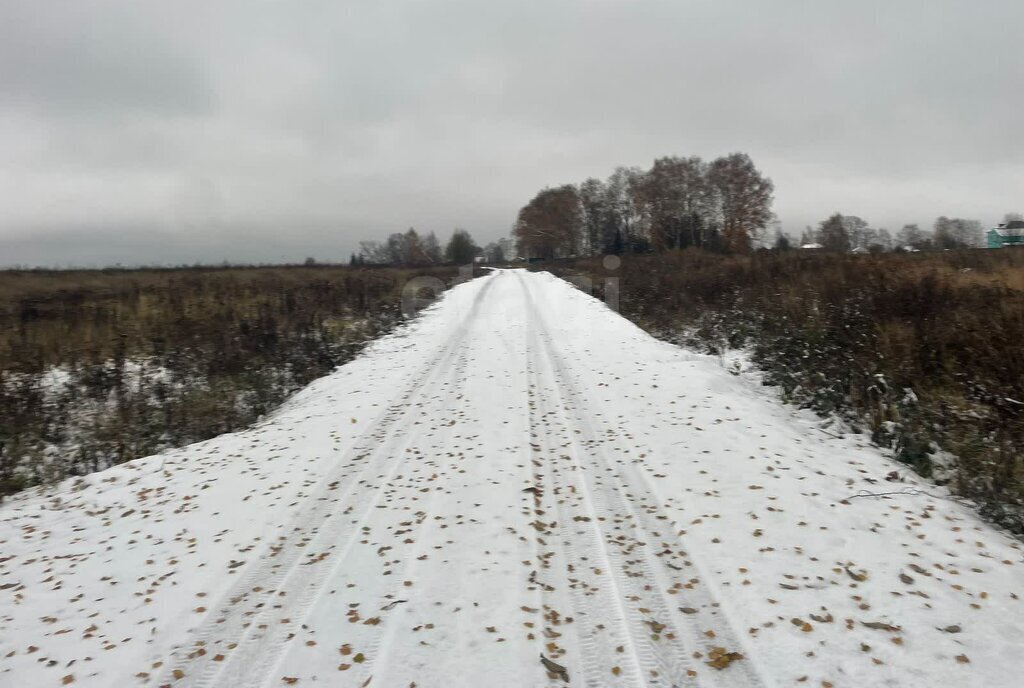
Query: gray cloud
[85, 58]
[270, 130]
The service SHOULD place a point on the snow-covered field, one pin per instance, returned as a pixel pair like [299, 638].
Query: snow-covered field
[520, 472]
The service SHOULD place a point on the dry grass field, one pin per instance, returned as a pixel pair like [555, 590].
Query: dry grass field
[100, 367]
[924, 351]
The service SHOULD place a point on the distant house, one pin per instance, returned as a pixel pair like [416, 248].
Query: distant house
[1007, 234]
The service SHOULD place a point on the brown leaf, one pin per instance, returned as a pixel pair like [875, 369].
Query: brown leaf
[719, 658]
[655, 626]
[859, 576]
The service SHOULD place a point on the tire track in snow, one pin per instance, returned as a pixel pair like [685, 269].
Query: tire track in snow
[542, 598]
[457, 636]
[647, 583]
[572, 551]
[262, 671]
[225, 647]
[382, 635]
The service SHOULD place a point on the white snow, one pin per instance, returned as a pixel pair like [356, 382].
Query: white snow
[519, 471]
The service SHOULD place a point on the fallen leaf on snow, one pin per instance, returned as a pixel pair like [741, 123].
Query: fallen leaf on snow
[719, 658]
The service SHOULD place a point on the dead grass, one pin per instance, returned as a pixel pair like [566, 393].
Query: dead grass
[853, 335]
[223, 346]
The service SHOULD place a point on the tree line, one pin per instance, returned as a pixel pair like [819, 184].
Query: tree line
[412, 249]
[843, 233]
[722, 205]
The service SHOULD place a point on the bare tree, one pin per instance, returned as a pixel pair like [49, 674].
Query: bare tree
[678, 201]
[955, 232]
[882, 241]
[856, 230]
[432, 249]
[744, 198]
[395, 247]
[624, 230]
[461, 248]
[594, 206]
[912, 236]
[373, 253]
[494, 252]
[507, 247]
[833, 235]
[550, 225]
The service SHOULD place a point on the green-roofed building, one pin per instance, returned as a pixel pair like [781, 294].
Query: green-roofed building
[1007, 234]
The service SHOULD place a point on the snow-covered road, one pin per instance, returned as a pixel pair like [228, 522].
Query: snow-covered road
[518, 473]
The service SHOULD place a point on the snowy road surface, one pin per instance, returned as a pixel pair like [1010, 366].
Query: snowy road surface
[520, 472]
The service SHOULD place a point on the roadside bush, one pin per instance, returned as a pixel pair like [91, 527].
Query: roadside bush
[921, 351]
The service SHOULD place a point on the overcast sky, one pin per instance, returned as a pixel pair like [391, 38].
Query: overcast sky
[139, 131]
